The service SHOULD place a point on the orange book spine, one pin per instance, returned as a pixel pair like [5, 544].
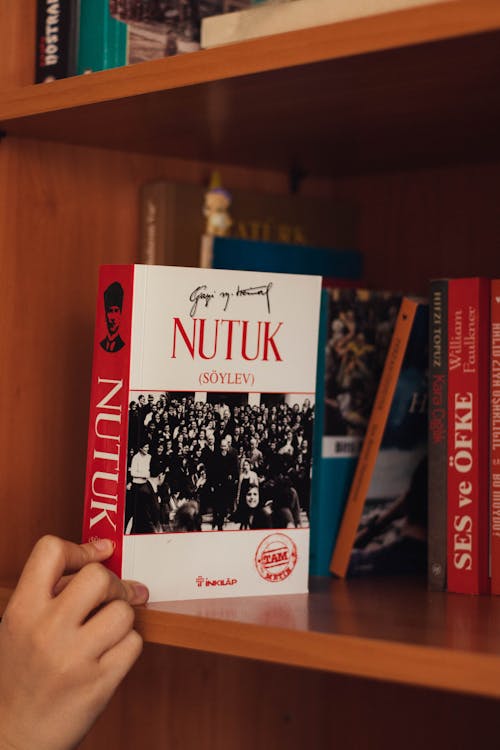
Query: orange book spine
[373, 437]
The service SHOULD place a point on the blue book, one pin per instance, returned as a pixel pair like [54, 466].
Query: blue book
[384, 525]
[392, 534]
[280, 257]
[356, 327]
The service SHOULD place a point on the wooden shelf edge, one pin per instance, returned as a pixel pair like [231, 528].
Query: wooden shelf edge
[412, 26]
[446, 669]
[429, 667]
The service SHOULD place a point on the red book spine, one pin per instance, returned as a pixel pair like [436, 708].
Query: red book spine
[106, 476]
[468, 435]
[495, 438]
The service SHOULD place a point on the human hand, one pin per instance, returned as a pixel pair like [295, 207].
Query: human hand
[66, 642]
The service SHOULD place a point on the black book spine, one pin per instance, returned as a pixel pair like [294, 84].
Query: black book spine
[438, 431]
[56, 39]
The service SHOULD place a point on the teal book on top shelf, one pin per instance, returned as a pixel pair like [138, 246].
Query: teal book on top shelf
[103, 39]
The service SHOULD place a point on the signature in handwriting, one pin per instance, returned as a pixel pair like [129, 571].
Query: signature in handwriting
[202, 296]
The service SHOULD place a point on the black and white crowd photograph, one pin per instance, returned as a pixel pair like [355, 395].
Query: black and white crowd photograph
[218, 462]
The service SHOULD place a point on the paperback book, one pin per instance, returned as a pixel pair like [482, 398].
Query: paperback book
[355, 332]
[384, 526]
[468, 435]
[254, 255]
[201, 421]
[56, 39]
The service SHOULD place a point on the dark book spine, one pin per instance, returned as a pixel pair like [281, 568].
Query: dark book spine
[468, 435]
[438, 431]
[56, 39]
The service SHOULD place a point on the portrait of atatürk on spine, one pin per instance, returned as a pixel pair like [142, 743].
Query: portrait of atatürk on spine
[113, 305]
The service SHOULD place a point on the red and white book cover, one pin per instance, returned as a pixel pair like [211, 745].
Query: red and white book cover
[200, 428]
[468, 435]
[495, 438]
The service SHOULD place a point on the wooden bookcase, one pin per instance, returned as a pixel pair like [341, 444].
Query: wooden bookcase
[400, 113]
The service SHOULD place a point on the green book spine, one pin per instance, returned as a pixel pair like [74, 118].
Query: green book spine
[103, 39]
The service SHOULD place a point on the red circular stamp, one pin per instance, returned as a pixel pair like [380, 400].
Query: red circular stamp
[276, 557]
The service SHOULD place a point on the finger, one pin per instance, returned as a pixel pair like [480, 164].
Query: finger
[115, 663]
[94, 586]
[52, 557]
[62, 583]
[107, 627]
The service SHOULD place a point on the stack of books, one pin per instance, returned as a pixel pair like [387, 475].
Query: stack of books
[463, 336]
[382, 441]
[83, 36]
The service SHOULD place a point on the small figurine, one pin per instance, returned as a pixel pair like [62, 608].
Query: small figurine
[216, 209]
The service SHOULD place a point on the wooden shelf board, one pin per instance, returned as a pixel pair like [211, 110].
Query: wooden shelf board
[393, 630]
[426, 92]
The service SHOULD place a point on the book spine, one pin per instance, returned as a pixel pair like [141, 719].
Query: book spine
[373, 437]
[468, 435]
[438, 434]
[56, 39]
[102, 38]
[495, 438]
[152, 222]
[106, 475]
[318, 499]
[206, 251]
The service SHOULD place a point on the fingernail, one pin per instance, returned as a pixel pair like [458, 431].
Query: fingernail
[141, 592]
[104, 545]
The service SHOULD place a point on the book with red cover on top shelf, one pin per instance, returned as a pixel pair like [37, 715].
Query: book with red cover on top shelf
[468, 435]
[201, 421]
